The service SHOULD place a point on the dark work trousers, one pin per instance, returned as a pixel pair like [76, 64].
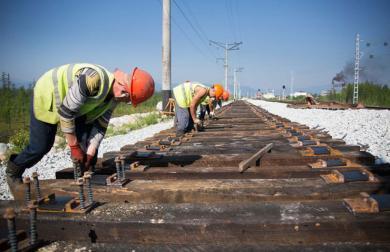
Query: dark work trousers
[203, 110]
[215, 103]
[42, 137]
[183, 120]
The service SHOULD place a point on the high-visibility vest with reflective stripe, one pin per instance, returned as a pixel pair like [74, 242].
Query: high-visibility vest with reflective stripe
[185, 92]
[52, 87]
[206, 101]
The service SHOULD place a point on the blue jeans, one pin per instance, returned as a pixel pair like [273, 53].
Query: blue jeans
[203, 110]
[183, 120]
[42, 137]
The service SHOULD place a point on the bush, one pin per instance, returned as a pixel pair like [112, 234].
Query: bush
[19, 140]
[370, 94]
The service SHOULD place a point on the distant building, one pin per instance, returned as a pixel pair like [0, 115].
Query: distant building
[269, 95]
[325, 92]
[259, 95]
[299, 93]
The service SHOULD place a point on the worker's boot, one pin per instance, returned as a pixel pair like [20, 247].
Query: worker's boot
[14, 177]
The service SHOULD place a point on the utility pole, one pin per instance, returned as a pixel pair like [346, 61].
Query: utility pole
[237, 92]
[355, 99]
[291, 84]
[166, 52]
[227, 47]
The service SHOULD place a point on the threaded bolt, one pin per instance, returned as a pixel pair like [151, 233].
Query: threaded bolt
[80, 183]
[10, 216]
[87, 179]
[118, 168]
[37, 185]
[122, 159]
[76, 169]
[27, 185]
[33, 221]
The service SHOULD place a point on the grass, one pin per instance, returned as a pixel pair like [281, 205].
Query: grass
[147, 106]
[370, 94]
[19, 141]
[15, 114]
[141, 122]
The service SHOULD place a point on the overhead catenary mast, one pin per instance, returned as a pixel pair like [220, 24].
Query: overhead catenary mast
[227, 47]
[166, 52]
[355, 99]
[236, 90]
[291, 84]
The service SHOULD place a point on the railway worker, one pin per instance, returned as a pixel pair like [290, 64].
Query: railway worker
[206, 107]
[215, 102]
[209, 105]
[188, 96]
[81, 97]
[225, 97]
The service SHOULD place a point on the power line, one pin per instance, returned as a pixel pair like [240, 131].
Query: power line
[230, 18]
[193, 17]
[236, 11]
[191, 24]
[186, 35]
[197, 25]
[227, 47]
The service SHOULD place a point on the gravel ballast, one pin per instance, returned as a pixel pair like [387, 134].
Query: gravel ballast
[365, 127]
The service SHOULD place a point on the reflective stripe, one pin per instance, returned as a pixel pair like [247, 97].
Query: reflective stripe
[56, 93]
[69, 77]
[183, 90]
[105, 84]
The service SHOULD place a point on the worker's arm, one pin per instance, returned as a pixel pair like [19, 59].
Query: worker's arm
[211, 105]
[86, 85]
[199, 93]
[99, 130]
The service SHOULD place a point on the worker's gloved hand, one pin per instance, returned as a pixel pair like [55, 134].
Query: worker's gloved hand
[197, 122]
[77, 153]
[212, 114]
[88, 163]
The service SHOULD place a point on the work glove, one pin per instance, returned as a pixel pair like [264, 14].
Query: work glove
[88, 163]
[91, 152]
[77, 153]
[197, 122]
[212, 114]
[198, 125]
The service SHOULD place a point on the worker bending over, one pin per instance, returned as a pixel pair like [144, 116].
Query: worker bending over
[82, 98]
[206, 107]
[187, 97]
[209, 105]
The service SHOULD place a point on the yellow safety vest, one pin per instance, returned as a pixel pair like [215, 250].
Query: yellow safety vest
[52, 87]
[185, 92]
[206, 101]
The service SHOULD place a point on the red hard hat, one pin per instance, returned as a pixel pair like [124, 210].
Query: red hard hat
[140, 87]
[225, 95]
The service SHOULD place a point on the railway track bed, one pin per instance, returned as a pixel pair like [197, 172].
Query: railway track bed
[249, 181]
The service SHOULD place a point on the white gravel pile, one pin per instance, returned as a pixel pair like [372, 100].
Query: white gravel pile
[364, 127]
[57, 160]
[127, 119]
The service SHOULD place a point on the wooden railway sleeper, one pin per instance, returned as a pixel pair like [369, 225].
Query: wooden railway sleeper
[333, 163]
[368, 204]
[337, 176]
[255, 159]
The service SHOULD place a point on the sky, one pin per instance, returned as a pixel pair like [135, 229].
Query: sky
[311, 40]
